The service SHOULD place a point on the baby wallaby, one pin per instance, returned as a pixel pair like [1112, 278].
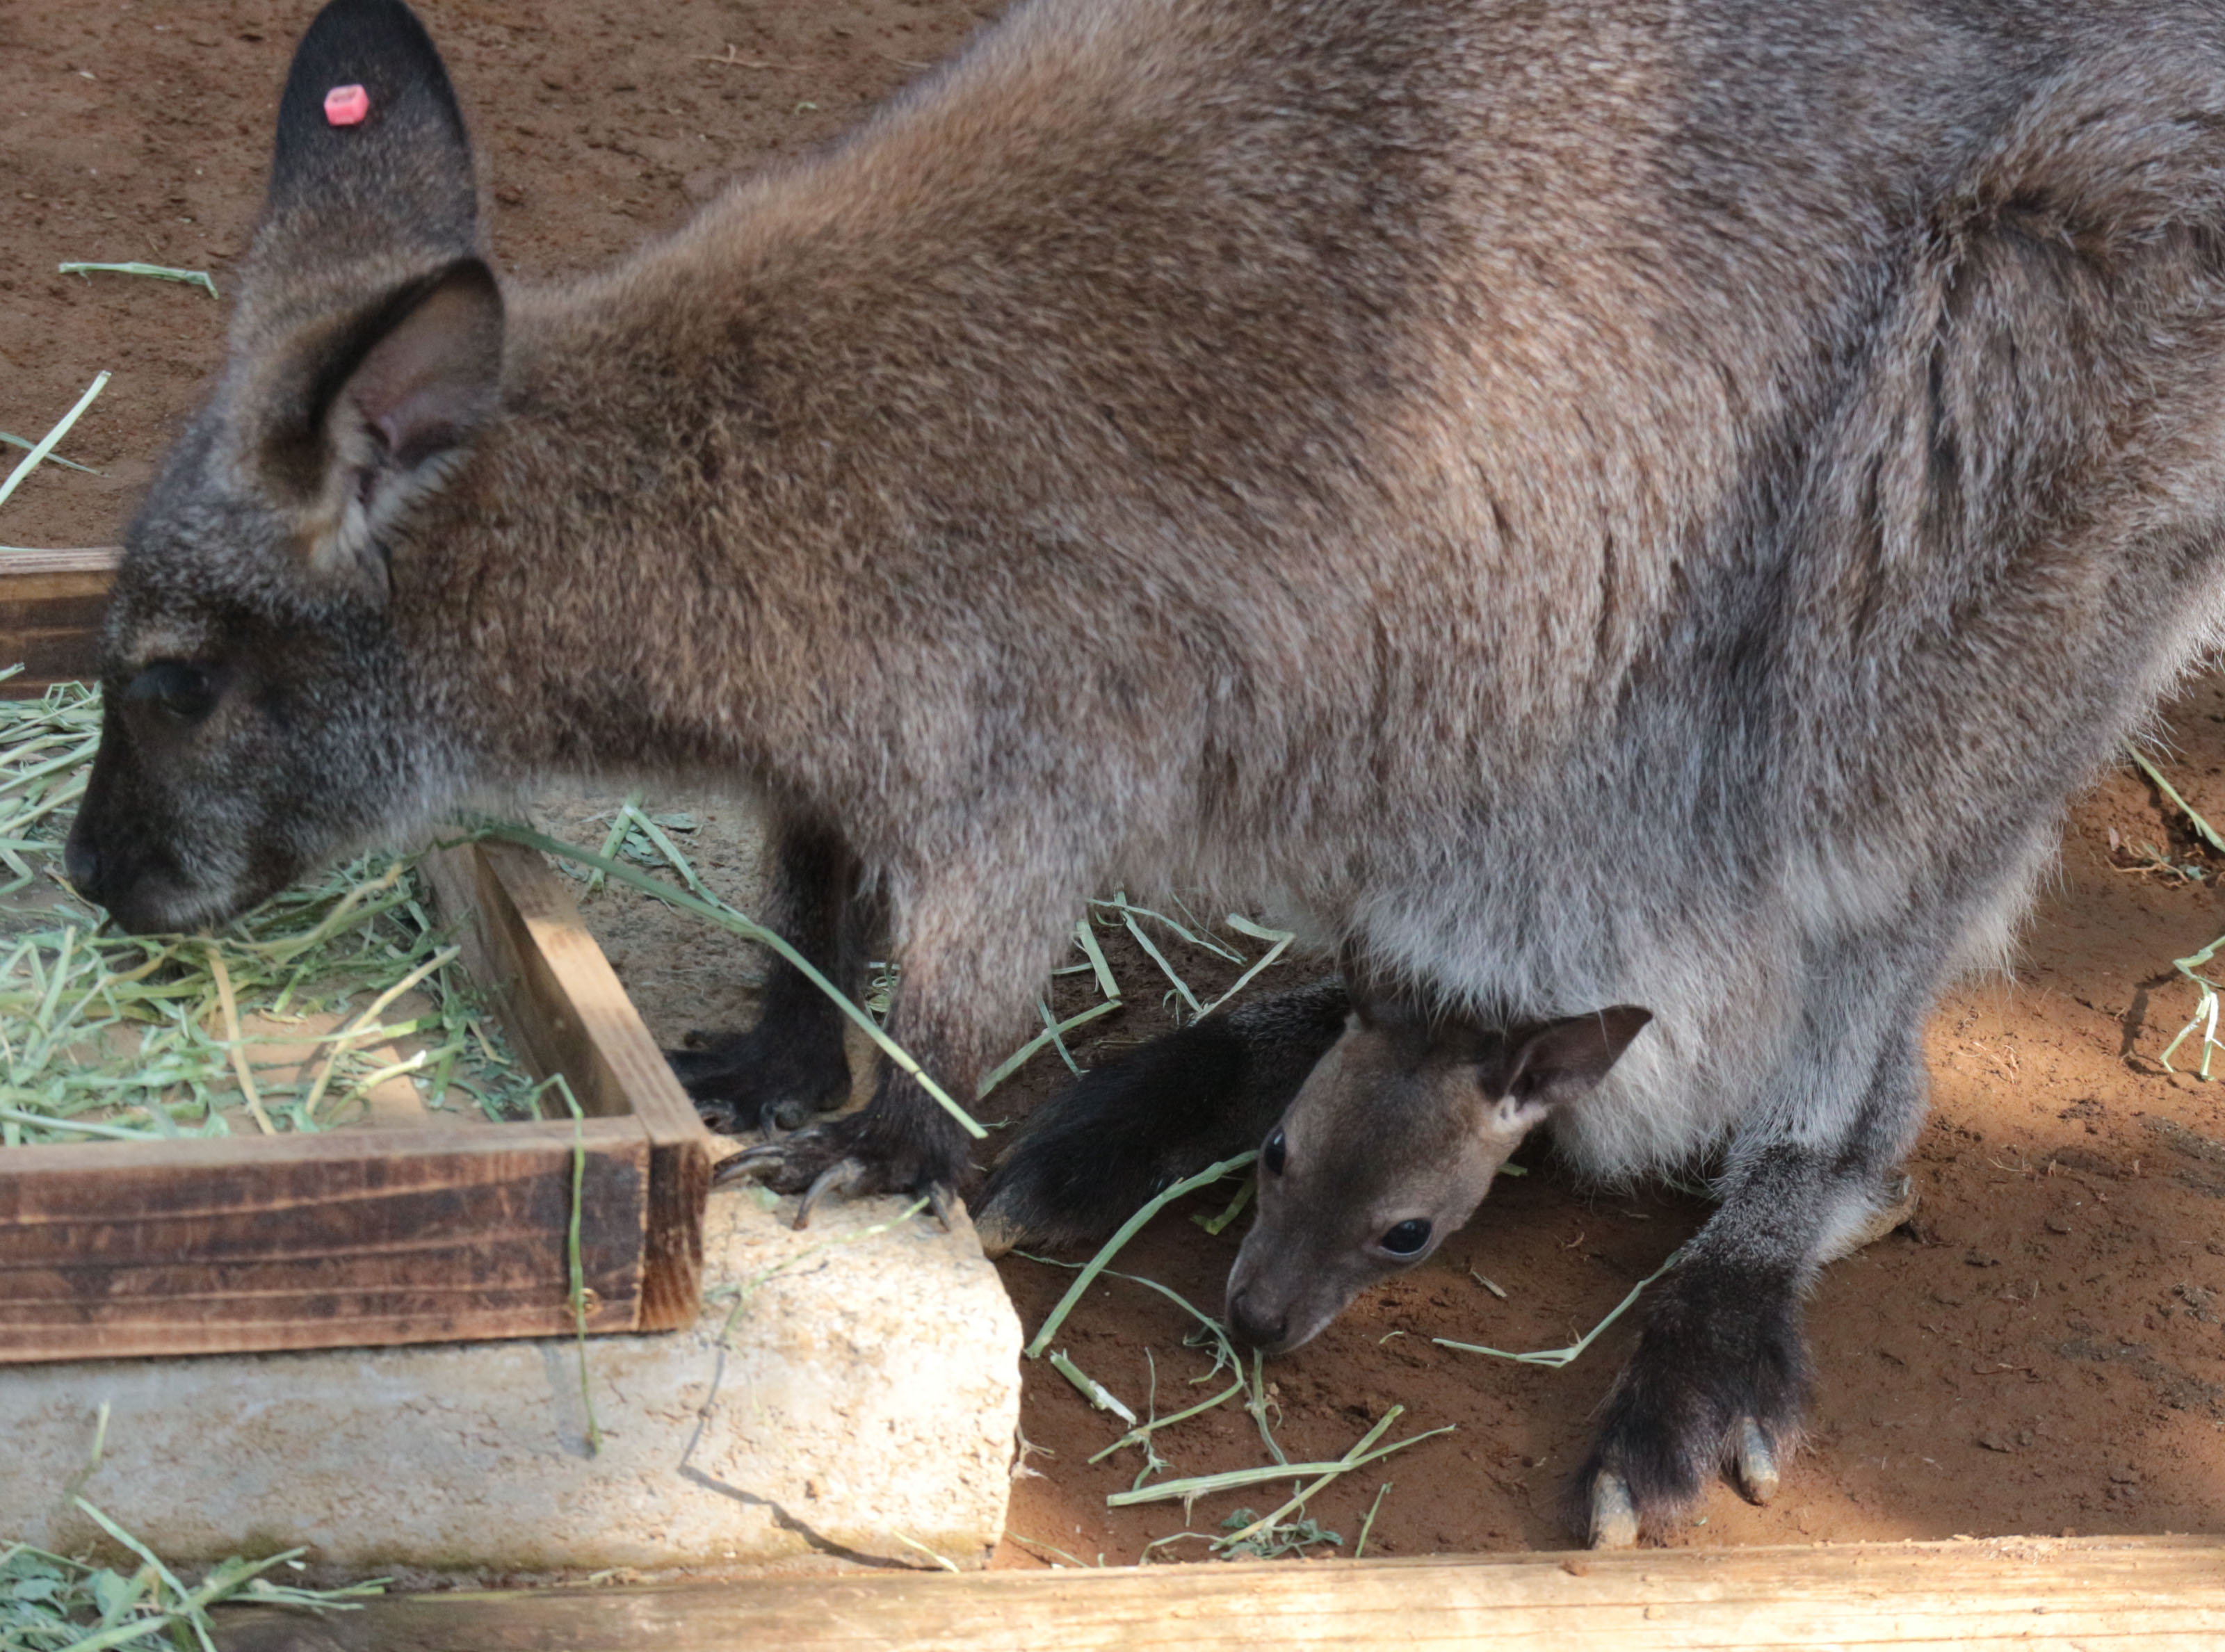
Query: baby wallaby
[1390, 1144]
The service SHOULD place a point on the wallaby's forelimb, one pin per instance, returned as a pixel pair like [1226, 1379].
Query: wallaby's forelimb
[791, 1064]
[1086, 1159]
[970, 951]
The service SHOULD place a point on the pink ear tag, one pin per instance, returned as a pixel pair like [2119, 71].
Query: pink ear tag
[346, 105]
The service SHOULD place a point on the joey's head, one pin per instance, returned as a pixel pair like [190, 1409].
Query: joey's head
[265, 709]
[1390, 1146]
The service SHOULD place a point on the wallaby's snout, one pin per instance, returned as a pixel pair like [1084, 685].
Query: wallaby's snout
[1390, 1146]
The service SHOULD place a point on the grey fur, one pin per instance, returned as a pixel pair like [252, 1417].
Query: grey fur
[1653, 503]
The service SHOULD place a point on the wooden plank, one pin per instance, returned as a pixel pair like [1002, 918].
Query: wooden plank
[305, 1241]
[2136, 1594]
[357, 1238]
[51, 604]
[568, 1012]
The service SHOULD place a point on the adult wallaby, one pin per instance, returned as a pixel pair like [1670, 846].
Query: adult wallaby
[1653, 504]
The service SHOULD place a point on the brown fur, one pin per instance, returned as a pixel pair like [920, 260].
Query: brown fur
[1655, 503]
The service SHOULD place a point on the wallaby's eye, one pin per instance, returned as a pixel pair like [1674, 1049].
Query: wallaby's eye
[1407, 1238]
[1271, 1155]
[181, 692]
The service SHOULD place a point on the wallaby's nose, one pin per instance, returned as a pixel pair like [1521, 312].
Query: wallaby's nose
[1250, 1322]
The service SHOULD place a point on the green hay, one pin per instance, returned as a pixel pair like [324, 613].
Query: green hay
[52, 1602]
[2190, 967]
[139, 1038]
[1113, 1246]
[1091, 1391]
[1359, 1548]
[1201, 1485]
[199, 278]
[11, 440]
[1556, 1357]
[32, 460]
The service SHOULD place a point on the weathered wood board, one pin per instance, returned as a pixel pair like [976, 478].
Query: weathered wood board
[50, 607]
[2142, 1594]
[363, 1237]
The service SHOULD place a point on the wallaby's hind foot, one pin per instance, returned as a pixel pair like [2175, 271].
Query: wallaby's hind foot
[1715, 1388]
[1087, 1158]
[1611, 1521]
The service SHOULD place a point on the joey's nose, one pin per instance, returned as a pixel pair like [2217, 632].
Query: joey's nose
[1249, 1320]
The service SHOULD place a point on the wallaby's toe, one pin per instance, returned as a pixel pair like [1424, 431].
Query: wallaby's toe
[1756, 1463]
[1613, 1517]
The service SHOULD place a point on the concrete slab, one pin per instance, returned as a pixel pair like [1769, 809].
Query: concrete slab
[868, 1394]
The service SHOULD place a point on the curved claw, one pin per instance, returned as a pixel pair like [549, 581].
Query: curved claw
[1615, 1516]
[770, 1124]
[1756, 1463]
[948, 1208]
[749, 1164]
[838, 1177]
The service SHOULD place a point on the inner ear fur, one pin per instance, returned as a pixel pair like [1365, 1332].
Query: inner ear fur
[368, 402]
[1541, 1067]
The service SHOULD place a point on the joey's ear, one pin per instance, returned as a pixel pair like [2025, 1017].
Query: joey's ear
[1537, 1069]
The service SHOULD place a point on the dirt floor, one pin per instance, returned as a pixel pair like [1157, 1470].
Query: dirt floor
[2040, 1351]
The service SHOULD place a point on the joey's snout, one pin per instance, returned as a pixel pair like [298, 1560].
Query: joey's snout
[1255, 1318]
[1281, 1298]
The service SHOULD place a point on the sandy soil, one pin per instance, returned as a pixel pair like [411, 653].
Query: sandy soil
[2040, 1351]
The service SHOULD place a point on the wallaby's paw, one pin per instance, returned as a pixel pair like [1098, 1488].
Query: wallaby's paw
[767, 1078]
[1714, 1388]
[876, 1151]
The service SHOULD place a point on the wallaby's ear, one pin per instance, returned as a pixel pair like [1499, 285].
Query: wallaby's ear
[1537, 1069]
[368, 344]
[387, 169]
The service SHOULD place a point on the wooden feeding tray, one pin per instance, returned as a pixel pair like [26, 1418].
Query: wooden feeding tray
[350, 1237]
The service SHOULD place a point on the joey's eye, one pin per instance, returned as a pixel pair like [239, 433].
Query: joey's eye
[1407, 1238]
[180, 691]
[1271, 1155]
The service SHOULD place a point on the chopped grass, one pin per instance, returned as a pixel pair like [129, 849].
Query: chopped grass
[280, 1023]
[1557, 1357]
[199, 278]
[32, 460]
[2190, 967]
[52, 1602]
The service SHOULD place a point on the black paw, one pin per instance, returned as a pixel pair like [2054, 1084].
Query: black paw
[1085, 1160]
[768, 1078]
[1717, 1385]
[916, 1151]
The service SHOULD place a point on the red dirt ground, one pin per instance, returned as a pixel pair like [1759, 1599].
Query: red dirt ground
[2040, 1351]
